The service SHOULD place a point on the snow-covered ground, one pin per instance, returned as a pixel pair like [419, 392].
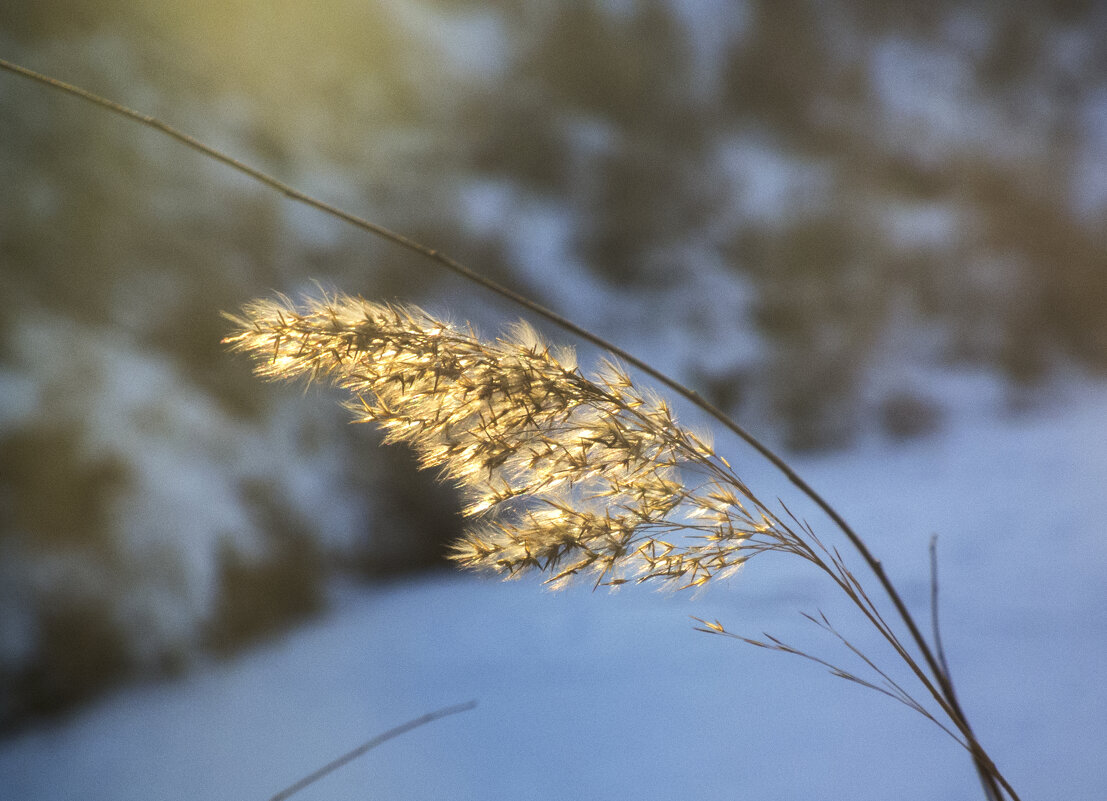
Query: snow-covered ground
[588, 695]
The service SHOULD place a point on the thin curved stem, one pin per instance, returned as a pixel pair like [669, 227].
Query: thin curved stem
[985, 765]
[364, 748]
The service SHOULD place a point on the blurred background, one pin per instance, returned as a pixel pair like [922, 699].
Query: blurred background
[810, 211]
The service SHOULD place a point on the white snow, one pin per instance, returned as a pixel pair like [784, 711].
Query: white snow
[594, 695]
[771, 187]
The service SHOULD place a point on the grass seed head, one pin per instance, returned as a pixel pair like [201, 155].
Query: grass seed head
[566, 474]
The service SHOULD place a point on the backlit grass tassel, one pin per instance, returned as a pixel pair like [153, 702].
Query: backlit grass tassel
[561, 473]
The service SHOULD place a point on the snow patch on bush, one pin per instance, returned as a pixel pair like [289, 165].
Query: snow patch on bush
[182, 498]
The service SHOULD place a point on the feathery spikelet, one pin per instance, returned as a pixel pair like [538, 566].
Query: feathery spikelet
[561, 473]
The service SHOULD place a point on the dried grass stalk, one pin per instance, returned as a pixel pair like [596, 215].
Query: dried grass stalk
[634, 541]
[562, 473]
